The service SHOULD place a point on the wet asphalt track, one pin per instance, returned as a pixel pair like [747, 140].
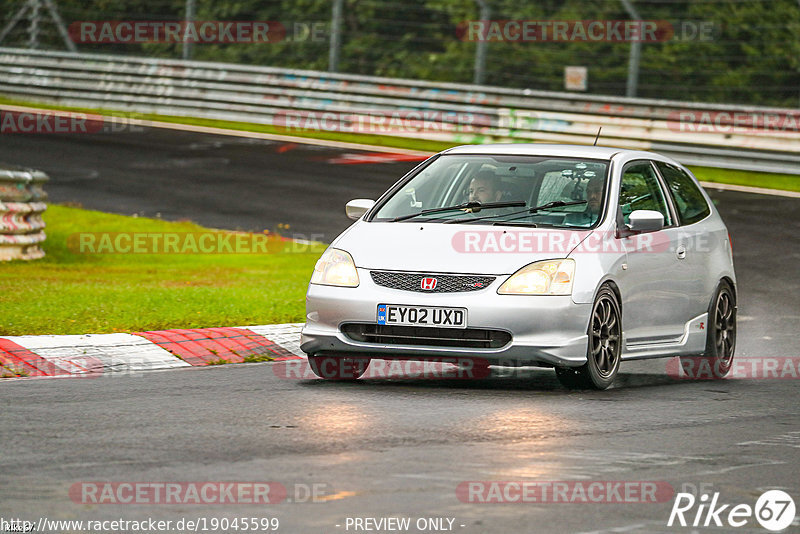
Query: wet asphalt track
[385, 447]
[218, 181]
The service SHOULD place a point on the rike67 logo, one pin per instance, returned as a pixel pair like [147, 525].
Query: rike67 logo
[774, 510]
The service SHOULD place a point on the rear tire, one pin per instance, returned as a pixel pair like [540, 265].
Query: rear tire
[603, 348]
[717, 360]
[338, 368]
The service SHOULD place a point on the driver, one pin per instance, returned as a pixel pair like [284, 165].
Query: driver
[485, 187]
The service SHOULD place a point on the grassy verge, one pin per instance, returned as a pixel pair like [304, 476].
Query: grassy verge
[73, 293]
[708, 174]
[785, 182]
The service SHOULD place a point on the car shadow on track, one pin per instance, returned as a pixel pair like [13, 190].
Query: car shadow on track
[504, 379]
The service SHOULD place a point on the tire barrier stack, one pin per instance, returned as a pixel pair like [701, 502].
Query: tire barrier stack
[21, 205]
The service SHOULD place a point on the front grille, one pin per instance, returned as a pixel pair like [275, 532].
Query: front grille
[472, 338]
[445, 283]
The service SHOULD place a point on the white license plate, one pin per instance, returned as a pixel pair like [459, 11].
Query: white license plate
[422, 316]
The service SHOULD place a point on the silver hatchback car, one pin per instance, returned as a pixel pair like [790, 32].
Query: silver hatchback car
[572, 257]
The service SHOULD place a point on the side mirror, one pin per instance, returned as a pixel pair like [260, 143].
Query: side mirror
[356, 208]
[641, 221]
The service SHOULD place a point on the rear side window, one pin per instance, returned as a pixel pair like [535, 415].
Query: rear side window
[691, 204]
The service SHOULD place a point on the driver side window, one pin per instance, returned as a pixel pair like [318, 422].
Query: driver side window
[640, 190]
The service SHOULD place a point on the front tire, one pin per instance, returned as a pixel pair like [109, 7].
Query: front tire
[604, 346]
[338, 368]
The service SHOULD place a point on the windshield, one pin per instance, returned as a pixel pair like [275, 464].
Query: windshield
[453, 180]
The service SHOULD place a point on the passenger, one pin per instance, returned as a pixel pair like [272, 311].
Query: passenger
[594, 199]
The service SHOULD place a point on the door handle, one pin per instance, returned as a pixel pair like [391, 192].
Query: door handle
[681, 252]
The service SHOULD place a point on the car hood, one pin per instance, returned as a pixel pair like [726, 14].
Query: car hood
[454, 248]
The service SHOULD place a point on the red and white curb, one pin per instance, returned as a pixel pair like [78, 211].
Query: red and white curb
[92, 355]
[360, 159]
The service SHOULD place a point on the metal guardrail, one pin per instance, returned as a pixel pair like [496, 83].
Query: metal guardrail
[21, 206]
[693, 133]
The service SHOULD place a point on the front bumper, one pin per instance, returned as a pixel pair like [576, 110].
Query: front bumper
[549, 330]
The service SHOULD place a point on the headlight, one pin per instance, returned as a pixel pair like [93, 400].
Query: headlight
[551, 277]
[335, 268]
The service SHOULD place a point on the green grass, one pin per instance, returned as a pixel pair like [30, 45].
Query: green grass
[12, 372]
[255, 358]
[72, 293]
[755, 179]
[786, 182]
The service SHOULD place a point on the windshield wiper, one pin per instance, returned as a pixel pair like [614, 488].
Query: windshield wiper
[513, 223]
[474, 206]
[529, 211]
[556, 204]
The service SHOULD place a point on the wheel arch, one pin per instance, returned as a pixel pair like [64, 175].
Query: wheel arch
[731, 283]
[614, 289]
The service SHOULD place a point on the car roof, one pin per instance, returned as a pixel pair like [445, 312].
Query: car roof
[543, 149]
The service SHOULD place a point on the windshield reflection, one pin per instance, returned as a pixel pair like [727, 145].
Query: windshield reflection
[573, 187]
